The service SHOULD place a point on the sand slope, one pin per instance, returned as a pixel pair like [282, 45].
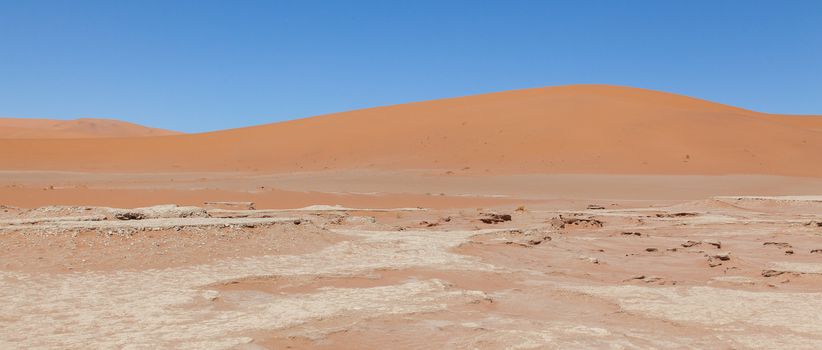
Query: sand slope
[568, 129]
[23, 128]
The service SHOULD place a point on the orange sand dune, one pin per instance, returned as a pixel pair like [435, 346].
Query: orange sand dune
[804, 122]
[568, 129]
[22, 128]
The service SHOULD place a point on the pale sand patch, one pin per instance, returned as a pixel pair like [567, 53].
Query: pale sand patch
[145, 309]
[797, 267]
[86, 223]
[729, 312]
[776, 198]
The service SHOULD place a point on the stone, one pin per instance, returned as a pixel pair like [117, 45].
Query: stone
[778, 244]
[130, 215]
[675, 215]
[689, 244]
[771, 273]
[494, 218]
[564, 222]
[722, 256]
[712, 242]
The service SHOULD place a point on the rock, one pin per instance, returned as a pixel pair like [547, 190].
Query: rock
[646, 279]
[130, 215]
[435, 223]
[778, 244]
[716, 259]
[722, 256]
[595, 207]
[814, 223]
[651, 249]
[789, 252]
[564, 222]
[716, 244]
[675, 215]
[631, 234]
[159, 212]
[814, 251]
[771, 273]
[494, 218]
[538, 241]
[712, 242]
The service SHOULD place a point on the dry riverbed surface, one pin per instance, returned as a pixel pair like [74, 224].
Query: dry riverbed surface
[720, 273]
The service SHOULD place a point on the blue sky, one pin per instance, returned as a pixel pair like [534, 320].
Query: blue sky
[206, 65]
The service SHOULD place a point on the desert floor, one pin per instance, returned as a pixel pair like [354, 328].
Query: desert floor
[412, 259]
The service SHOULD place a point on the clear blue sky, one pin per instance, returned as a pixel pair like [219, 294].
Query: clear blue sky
[206, 65]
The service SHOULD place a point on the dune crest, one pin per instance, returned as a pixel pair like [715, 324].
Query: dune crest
[567, 129]
[24, 128]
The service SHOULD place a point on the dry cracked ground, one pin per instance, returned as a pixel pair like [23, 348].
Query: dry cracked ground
[722, 273]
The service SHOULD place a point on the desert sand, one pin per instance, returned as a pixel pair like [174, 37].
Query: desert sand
[26, 128]
[570, 129]
[556, 218]
[722, 273]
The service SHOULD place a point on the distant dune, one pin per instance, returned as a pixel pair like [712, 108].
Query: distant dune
[568, 129]
[23, 128]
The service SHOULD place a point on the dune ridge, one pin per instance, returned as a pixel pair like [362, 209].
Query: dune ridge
[567, 129]
[28, 128]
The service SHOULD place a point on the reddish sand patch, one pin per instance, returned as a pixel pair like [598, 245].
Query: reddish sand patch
[274, 199]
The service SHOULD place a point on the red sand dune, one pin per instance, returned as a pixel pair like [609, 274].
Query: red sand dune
[20, 128]
[568, 129]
